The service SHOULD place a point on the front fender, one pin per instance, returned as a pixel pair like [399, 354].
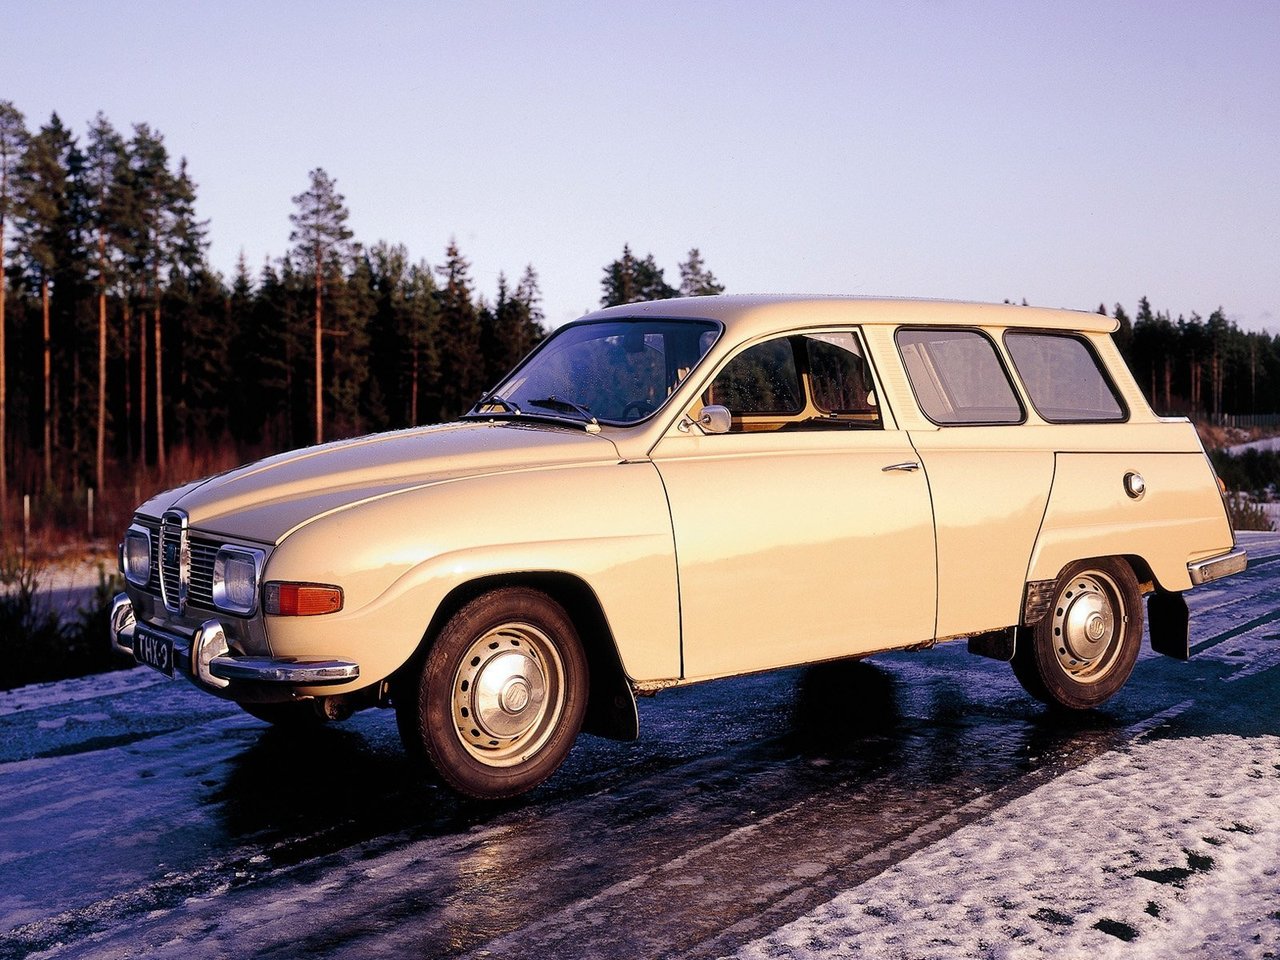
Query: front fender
[399, 557]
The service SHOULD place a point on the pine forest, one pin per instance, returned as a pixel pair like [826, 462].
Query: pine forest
[128, 364]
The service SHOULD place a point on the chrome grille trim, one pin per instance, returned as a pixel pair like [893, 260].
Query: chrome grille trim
[175, 561]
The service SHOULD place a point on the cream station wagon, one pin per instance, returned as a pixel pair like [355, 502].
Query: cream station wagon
[670, 492]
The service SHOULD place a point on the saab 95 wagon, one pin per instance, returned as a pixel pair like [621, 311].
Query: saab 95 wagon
[670, 492]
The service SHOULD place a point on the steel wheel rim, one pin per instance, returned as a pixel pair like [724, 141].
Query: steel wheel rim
[1089, 624]
[508, 694]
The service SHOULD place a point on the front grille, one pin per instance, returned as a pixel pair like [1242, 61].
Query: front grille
[203, 553]
[173, 536]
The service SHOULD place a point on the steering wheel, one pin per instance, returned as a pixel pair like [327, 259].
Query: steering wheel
[642, 407]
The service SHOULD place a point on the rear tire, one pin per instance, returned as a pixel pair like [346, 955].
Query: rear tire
[1083, 650]
[499, 699]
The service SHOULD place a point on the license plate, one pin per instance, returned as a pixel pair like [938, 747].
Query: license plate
[153, 650]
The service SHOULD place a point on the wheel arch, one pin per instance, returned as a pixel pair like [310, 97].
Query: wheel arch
[611, 702]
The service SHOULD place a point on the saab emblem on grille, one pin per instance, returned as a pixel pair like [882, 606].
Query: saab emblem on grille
[171, 553]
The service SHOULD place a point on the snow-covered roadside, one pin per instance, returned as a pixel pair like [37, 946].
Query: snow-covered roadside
[67, 587]
[1167, 848]
[1270, 443]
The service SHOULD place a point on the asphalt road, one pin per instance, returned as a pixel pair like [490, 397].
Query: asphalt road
[140, 818]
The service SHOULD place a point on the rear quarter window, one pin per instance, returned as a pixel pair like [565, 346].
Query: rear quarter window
[1064, 377]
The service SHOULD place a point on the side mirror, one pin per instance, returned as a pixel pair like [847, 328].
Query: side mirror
[715, 419]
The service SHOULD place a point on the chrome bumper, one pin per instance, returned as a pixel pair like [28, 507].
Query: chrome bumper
[207, 658]
[1215, 568]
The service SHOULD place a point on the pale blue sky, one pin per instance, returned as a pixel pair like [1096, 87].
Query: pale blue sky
[1068, 153]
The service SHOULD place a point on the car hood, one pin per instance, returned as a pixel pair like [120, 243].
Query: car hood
[266, 500]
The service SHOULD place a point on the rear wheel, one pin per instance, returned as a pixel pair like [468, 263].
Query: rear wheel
[1083, 650]
[500, 696]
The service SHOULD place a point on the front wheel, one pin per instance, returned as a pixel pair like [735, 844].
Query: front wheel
[1083, 650]
[500, 697]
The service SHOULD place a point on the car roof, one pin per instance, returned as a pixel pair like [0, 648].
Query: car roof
[753, 315]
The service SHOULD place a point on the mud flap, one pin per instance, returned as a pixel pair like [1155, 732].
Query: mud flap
[1169, 624]
[996, 644]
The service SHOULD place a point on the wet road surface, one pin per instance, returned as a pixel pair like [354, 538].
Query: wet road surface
[139, 817]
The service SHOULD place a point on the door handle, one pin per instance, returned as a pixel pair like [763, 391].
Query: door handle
[908, 466]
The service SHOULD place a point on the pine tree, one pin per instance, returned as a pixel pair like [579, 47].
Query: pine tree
[511, 327]
[628, 280]
[696, 280]
[422, 301]
[13, 141]
[321, 238]
[49, 241]
[461, 369]
[1124, 330]
[105, 159]
[144, 194]
[353, 306]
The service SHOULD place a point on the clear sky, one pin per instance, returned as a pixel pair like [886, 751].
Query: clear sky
[1065, 153]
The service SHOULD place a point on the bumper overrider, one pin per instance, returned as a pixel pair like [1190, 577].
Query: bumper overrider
[1215, 568]
[206, 658]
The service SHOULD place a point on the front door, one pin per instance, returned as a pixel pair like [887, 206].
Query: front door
[805, 533]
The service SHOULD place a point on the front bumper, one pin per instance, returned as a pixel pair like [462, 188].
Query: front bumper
[1215, 568]
[206, 657]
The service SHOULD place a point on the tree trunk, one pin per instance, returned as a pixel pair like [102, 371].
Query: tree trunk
[100, 448]
[4, 469]
[142, 379]
[319, 356]
[413, 383]
[160, 451]
[128, 378]
[48, 397]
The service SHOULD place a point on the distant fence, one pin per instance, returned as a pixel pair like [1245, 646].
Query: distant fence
[1244, 419]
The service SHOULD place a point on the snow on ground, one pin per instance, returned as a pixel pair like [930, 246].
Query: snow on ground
[69, 585]
[63, 692]
[1273, 511]
[1167, 848]
[1270, 443]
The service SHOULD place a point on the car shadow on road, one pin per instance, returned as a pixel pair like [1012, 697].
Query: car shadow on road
[332, 786]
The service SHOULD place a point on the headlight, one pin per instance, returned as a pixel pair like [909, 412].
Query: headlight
[135, 556]
[235, 579]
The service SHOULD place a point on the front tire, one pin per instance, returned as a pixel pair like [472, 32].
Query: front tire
[1083, 650]
[500, 697]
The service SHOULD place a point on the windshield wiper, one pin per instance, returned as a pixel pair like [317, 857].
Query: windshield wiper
[569, 406]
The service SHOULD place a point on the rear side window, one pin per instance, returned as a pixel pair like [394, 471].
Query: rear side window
[1063, 377]
[957, 377]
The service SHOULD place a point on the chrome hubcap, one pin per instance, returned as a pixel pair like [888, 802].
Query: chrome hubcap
[508, 694]
[1088, 626]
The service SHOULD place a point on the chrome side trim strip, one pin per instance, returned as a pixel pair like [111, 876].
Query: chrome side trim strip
[1215, 568]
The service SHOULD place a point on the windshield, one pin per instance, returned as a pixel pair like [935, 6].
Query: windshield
[613, 371]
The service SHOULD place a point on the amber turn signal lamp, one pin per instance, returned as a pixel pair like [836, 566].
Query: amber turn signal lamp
[301, 599]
